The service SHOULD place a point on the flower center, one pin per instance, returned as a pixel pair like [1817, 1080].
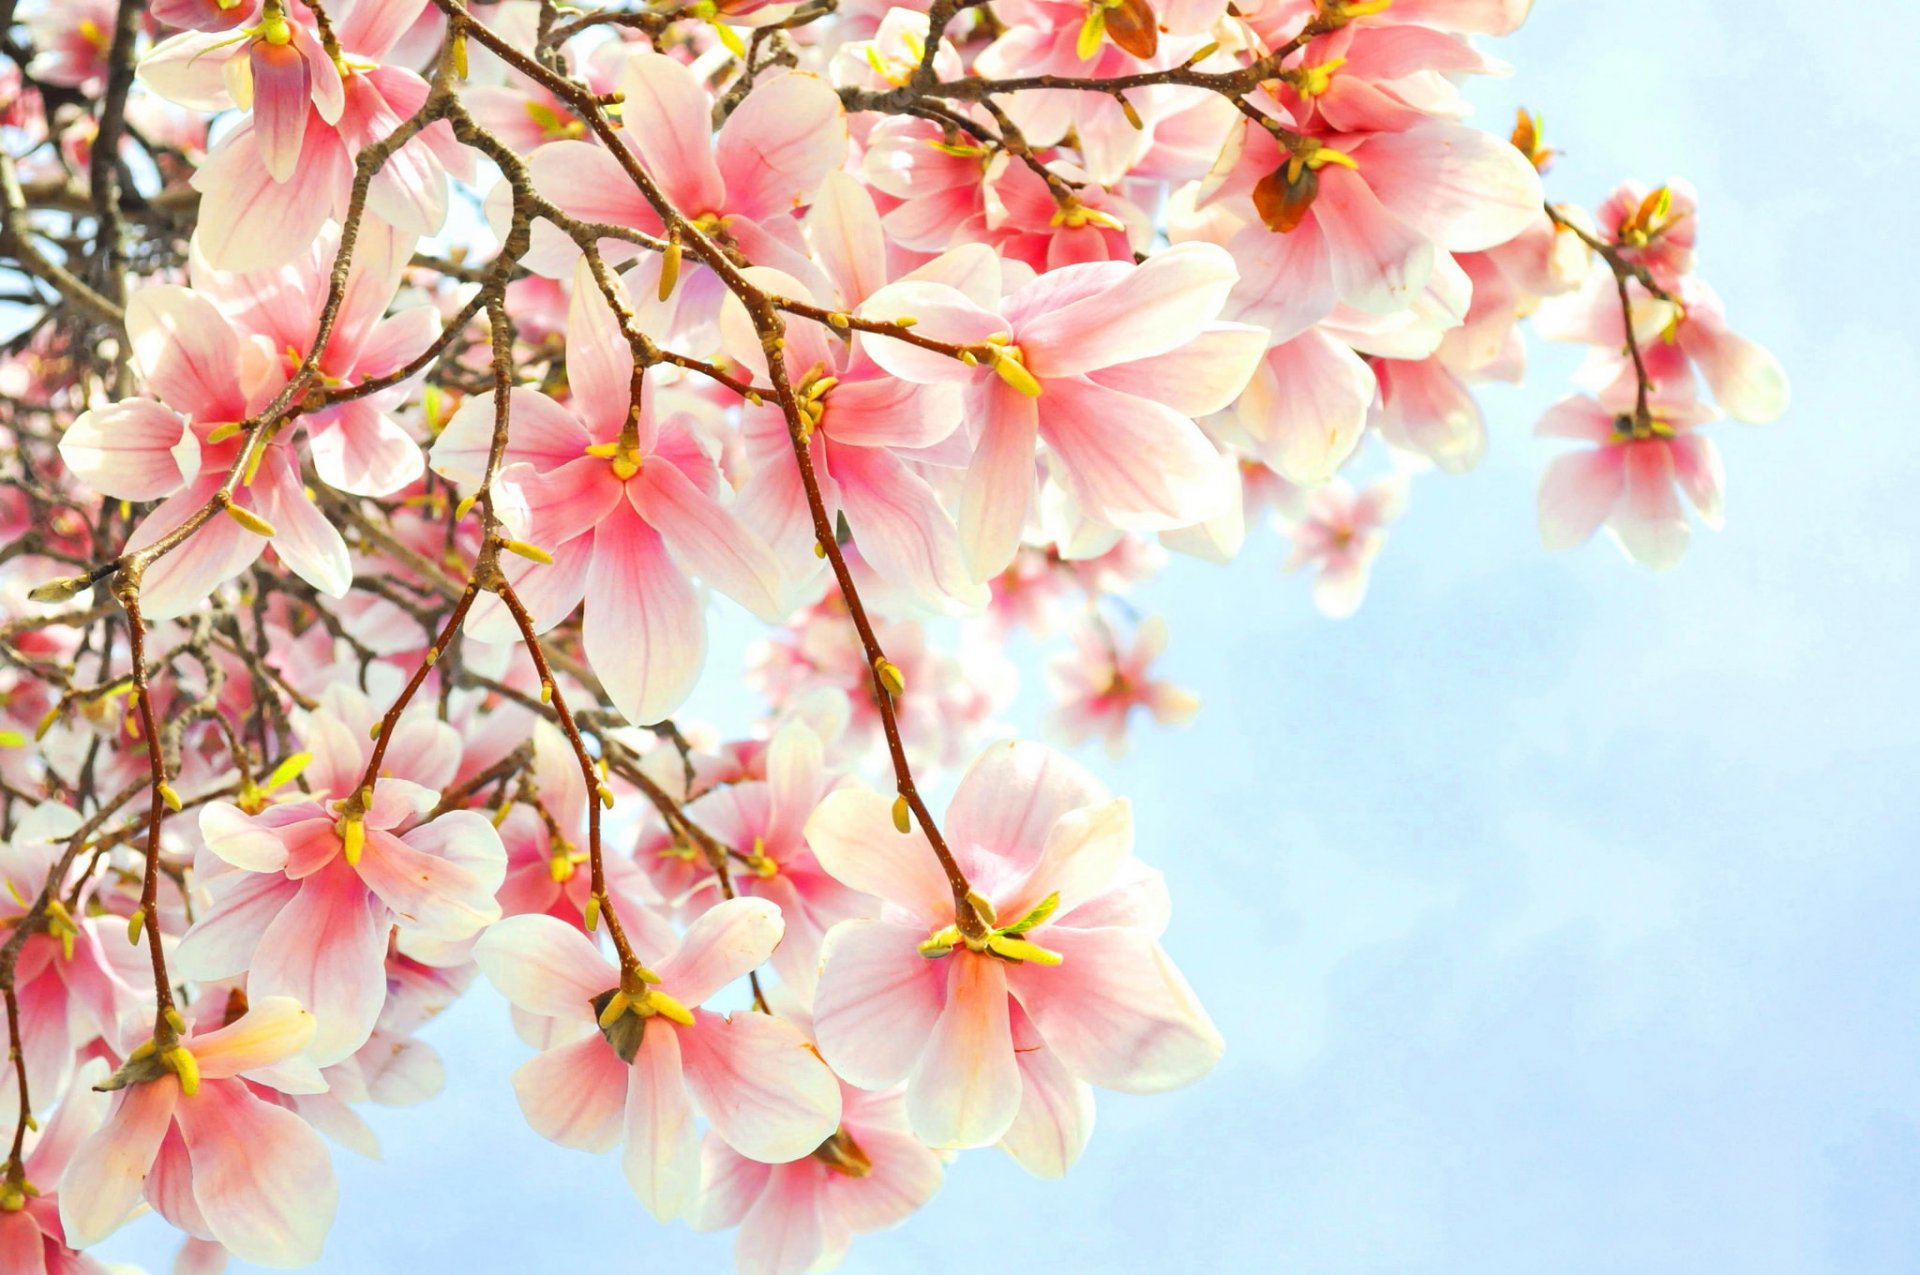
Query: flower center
[1002, 942]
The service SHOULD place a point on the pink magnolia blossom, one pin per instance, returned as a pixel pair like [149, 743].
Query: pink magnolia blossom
[649, 1056]
[742, 181]
[802, 1215]
[763, 821]
[1627, 479]
[1072, 941]
[865, 427]
[211, 1157]
[321, 881]
[1102, 680]
[1340, 533]
[33, 1241]
[270, 184]
[1361, 219]
[1107, 363]
[625, 503]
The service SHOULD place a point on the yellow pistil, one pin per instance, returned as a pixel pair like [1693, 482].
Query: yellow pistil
[1073, 215]
[60, 925]
[759, 862]
[1005, 359]
[1314, 81]
[624, 458]
[352, 828]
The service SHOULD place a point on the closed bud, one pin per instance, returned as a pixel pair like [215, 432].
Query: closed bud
[60, 590]
[902, 815]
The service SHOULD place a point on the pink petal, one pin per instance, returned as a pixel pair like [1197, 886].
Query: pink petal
[262, 1178]
[135, 449]
[1117, 1012]
[1380, 264]
[710, 541]
[998, 490]
[645, 634]
[1197, 378]
[1156, 307]
[328, 952]
[1648, 520]
[760, 1085]
[248, 221]
[103, 1182]
[1577, 493]
[784, 1233]
[364, 452]
[1056, 1108]
[187, 351]
[1008, 802]
[853, 837]
[282, 91]
[303, 538]
[1131, 462]
[662, 1156]
[965, 1091]
[441, 879]
[1306, 407]
[877, 1000]
[723, 944]
[666, 121]
[900, 527]
[944, 313]
[575, 1095]
[1463, 188]
[545, 966]
[1697, 468]
[780, 143]
[272, 1029]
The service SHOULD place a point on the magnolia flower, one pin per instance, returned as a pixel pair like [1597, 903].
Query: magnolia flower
[1107, 363]
[801, 1215]
[742, 181]
[650, 1055]
[763, 821]
[322, 881]
[1101, 681]
[1627, 480]
[210, 1156]
[1340, 533]
[1069, 936]
[625, 505]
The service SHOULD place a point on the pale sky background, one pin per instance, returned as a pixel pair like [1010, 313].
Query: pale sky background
[1559, 916]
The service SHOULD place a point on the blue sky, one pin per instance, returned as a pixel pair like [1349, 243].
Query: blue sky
[1559, 915]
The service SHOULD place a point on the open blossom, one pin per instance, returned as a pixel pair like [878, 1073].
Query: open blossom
[269, 185]
[321, 882]
[1105, 362]
[763, 821]
[625, 503]
[742, 181]
[649, 1055]
[1339, 533]
[801, 1215]
[1062, 933]
[1103, 679]
[209, 1155]
[1630, 478]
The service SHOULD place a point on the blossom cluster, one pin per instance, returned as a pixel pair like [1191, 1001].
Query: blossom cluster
[388, 384]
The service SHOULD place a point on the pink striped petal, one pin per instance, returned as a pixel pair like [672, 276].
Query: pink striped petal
[575, 1095]
[877, 1001]
[965, 1091]
[760, 1085]
[545, 966]
[135, 449]
[662, 1155]
[723, 944]
[262, 1178]
[1117, 1012]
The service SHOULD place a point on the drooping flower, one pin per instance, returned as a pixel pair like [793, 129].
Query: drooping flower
[212, 1158]
[1070, 935]
[641, 1055]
